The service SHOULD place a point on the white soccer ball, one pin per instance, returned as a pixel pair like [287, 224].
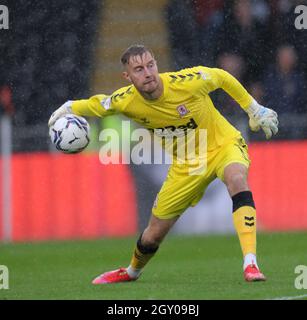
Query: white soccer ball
[70, 134]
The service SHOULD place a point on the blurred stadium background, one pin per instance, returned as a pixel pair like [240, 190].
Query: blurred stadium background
[61, 50]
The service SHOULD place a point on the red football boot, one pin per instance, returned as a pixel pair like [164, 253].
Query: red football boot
[119, 275]
[252, 273]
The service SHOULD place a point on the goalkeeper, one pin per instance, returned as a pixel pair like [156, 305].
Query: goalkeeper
[179, 101]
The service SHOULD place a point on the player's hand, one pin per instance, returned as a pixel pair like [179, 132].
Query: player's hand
[264, 118]
[60, 112]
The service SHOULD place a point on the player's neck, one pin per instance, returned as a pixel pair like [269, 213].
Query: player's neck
[155, 95]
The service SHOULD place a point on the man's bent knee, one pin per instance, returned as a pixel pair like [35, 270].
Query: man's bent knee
[236, 179]
[237, 183]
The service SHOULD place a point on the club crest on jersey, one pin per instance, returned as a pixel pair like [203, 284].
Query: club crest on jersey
[182, 110]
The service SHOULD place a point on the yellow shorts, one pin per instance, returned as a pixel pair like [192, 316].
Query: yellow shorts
[181, 190]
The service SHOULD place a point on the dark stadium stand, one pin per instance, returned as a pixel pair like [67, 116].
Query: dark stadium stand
[45, 59]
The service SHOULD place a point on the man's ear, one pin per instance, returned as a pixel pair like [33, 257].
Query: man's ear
[126, 76]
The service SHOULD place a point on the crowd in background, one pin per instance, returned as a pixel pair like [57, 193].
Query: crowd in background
[254, 40]
[46, 57]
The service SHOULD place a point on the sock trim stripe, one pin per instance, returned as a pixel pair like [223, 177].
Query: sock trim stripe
[249, 218]
[249, 224]
[145, 249]
[241, 199]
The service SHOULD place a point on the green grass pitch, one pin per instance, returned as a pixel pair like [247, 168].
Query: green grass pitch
[185, 267]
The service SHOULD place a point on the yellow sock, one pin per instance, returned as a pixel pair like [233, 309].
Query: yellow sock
[139, 259]
[245, 224]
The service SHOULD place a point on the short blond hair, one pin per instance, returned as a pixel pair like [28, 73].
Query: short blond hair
[132, 51]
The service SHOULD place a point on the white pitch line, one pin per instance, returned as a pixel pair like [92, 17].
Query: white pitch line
[290, 298]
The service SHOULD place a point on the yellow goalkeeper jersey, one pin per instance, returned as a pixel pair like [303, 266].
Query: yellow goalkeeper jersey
[185, 104]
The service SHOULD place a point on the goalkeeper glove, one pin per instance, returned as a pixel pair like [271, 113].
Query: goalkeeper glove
[264, 118]
[60, 112]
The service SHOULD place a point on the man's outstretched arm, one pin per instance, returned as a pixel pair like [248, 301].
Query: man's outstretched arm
[96, 106]
[259, 116]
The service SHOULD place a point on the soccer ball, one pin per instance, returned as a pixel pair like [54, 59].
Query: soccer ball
[70, 134]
